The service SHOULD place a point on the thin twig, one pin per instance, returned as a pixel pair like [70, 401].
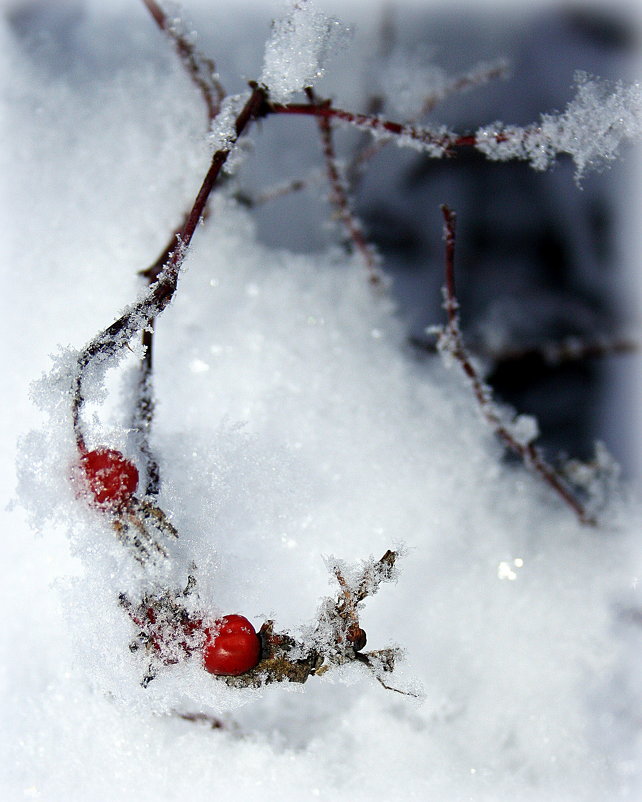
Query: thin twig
[202, 72]
[339, 198]
[440, 140]
[161, 292]
[452, 342]
[462, 83]
[280, 190]
[201, 69]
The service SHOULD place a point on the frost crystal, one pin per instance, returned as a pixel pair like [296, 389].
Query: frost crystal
[595, 123]
[297, 51]
[223, 133]
[523, 429]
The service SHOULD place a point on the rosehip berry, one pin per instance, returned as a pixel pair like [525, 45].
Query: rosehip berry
[232, 646]
[111, 478]
[357, 637]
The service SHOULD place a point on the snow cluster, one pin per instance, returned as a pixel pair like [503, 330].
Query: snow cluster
[290, 425]
[296, 53]
[591, 129]
[222, 135]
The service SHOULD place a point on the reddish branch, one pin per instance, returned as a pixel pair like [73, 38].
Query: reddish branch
[167, 630]
[116, 336]
[462, 83]
[445, 141]
[201, 69]
[452, 342]
[459, 84]
[202, 72]
[364, 121]
[339, 197]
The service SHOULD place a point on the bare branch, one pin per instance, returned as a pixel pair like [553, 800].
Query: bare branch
[109, 341]
[451, 342]
[339, 198]
[479, 75]
[201, 69]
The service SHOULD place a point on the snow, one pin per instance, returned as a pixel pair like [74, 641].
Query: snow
[296, 53]
[295, 438]
[592, 128]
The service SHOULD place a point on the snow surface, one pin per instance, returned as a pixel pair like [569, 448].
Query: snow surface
[292, 428]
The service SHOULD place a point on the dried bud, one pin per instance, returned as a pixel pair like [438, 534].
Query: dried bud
[357, 637]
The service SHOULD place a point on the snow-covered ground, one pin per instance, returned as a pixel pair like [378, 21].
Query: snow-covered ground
[292, 425]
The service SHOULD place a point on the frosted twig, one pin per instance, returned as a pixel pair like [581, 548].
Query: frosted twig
[200, 68]
[451, 342]
[437, 142]
[366, 585]
[109, 341]
[375, 103]
[591, 129]
[313, 177]
[477, 76]
[339, 198]
[202, 72]
[568, 349]
[143, 412]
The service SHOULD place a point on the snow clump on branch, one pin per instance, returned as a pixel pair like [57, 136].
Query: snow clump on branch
[299, 48]
[591, 129]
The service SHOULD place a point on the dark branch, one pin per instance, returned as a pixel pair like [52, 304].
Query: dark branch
[201, 69]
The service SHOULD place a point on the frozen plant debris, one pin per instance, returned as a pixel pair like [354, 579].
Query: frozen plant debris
[298, 49]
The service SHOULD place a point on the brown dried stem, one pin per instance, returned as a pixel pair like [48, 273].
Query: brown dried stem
[452, 342]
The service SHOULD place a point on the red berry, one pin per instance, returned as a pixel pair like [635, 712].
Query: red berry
[112, 479]
[232, 646]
